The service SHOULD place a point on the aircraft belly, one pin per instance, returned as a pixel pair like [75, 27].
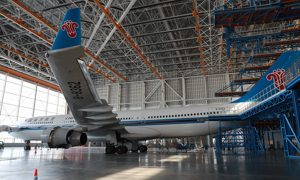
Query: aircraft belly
[165, 131]
[174, 130]
[141, 132]
[28, 134]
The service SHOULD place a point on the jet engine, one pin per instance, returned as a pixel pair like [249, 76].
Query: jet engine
[63, 138]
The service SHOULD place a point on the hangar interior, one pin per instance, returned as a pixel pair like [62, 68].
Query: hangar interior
[159, 54]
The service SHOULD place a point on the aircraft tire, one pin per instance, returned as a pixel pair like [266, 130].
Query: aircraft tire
[134, 150]
[143, 148]
[110, 150]
[27, 148]
[122, 149]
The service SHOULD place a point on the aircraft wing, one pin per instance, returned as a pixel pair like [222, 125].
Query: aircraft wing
[74, 80]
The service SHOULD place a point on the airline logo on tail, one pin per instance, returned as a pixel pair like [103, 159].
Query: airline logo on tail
[70, 27]
[279, 78]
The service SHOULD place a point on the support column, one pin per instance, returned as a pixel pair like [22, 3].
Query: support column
[206, 89]
[108, 94]
[210, 141]
[183, 91]
[118, 97]
[163, 94]
[34, 102]
[143, 104]
[3, 92]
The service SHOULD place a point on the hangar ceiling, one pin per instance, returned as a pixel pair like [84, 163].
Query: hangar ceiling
[133, 40]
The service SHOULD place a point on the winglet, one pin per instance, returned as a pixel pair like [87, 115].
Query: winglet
[69, 33]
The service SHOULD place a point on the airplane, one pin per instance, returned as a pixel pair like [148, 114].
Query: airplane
[92, 118]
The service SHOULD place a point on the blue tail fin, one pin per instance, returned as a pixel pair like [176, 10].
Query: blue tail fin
[69, 33]
[274, 77]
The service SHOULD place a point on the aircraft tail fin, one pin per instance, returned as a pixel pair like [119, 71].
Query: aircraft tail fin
[72, 74]
[274, 79]
[69, 33]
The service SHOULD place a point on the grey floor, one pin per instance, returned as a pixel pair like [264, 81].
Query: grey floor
[92, 163]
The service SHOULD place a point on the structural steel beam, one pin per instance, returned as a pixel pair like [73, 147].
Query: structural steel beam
[42, 36]
[63, 5]
[155, 4]
[97, 59]
[98, 25]
[129, 40]
[115, 28]
[35, 15]
[20, 53]
[29, 78]
[152, 44]
[10, 59]
[163, 32]
[158, 20]
[203, 69]
[23, 25]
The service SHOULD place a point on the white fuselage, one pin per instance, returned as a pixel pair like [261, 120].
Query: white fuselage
[140, 124]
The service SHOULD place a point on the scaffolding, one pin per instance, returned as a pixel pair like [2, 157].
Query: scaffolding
[238, 141]
[241, 12]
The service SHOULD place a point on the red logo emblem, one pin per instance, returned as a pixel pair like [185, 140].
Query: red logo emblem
[279, 78]
[70, 27]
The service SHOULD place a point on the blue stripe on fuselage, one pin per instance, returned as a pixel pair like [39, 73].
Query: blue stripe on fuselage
[163, 122]
[140, 123]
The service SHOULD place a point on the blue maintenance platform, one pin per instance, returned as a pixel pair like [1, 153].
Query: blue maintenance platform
[275, 96]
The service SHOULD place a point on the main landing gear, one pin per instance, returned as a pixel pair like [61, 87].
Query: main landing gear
[123, 149]
[27, 146]
[111, 149]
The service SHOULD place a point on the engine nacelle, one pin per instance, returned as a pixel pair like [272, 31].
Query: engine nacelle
[63, 138]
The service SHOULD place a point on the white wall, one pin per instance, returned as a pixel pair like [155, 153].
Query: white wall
[164, 93]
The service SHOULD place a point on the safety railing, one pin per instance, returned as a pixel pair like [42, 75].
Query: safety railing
[268, 92]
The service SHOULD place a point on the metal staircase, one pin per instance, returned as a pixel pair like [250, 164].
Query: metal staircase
[290, 128]
[238, 141]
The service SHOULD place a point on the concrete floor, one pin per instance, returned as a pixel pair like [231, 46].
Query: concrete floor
[92, 163]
